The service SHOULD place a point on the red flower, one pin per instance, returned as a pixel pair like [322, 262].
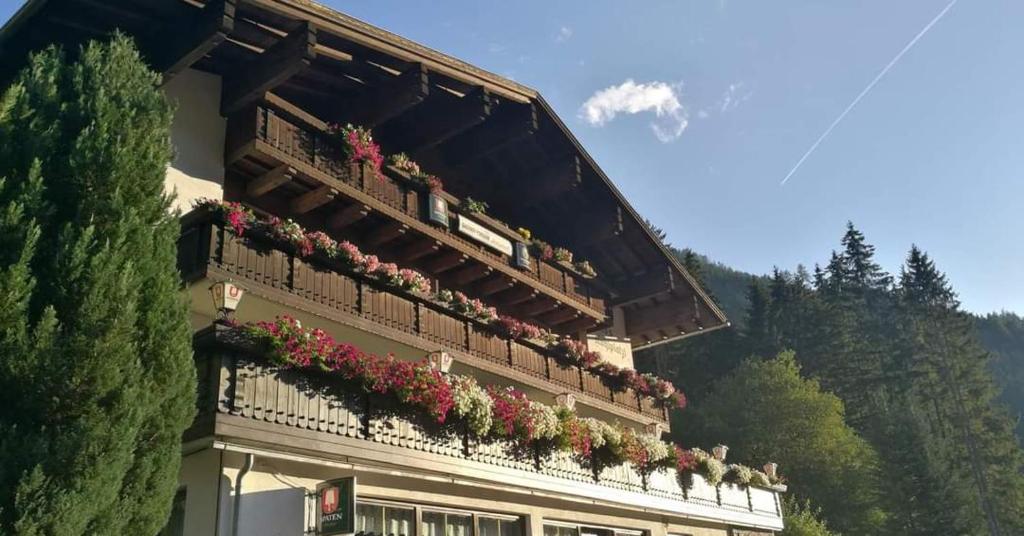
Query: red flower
[685, 460]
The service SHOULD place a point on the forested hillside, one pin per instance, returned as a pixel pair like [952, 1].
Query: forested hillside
[886, 368]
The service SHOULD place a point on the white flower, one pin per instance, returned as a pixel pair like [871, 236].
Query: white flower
[472, 403]
[657, 449]
[546, 423]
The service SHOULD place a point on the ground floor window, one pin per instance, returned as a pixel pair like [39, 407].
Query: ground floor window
[382, 518]
[494, 526]
[553, 528]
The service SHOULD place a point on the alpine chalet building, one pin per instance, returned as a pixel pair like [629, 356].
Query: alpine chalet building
[416, 297]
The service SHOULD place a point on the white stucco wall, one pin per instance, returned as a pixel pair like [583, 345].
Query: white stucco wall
[274, 501]
[197, 133]
[200, 475]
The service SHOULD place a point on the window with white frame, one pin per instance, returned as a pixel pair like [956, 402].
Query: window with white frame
[374, 519]
[383, 518]
[556, 528]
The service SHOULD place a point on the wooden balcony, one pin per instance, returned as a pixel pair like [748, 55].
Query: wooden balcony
[282, 160]
[320, 286]
[246, 401]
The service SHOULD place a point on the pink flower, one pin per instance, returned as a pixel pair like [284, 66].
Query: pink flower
[370, 264]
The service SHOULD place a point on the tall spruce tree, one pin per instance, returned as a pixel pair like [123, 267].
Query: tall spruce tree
[96, 378]
[951, 379]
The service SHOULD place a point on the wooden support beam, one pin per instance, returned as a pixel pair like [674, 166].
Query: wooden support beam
[181, 43]
[273, 67]
[602, 225]
[270, 180]
[445, 261]
[471, 273]
[554, 180]
[494, 285]
[577, 325]
[538, 307]
[313, 199]
[518, 294]
[658, 281]
[347, 216]
[379, 104]
[661, 316]
[509, 124]
[419, 249]
[440, 117]
[560, 316]
[386, 233]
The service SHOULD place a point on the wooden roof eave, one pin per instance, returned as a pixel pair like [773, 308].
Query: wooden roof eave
[635, 216]
[362, 33]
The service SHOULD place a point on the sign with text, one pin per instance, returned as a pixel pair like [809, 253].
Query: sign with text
[336, 507]
[484, 235]
[616, 351]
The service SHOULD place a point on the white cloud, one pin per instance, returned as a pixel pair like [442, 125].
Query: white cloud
[734, 95]
[564, 33]
[629, 97]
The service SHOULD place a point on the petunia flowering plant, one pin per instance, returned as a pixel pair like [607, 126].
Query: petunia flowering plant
[486, 413]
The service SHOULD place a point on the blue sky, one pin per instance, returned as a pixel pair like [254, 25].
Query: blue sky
[933, 155]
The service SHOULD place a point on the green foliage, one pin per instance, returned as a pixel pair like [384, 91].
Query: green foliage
[764, 410]
[908, 365]
[802, 519]
[1002, 334]
[96, 378]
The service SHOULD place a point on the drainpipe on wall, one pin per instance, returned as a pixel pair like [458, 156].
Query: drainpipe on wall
[250, 459]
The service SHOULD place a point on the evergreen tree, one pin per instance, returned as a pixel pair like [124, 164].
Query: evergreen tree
[96, 378]
[950, 377]
[758, 309]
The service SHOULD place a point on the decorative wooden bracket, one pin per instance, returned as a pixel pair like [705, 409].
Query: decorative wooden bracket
[393, 98]
[181, 43]
[509, 124]
[273, 67]
[439, 118]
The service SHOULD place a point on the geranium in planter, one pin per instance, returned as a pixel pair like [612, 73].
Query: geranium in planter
[360, 147]
[406, 165]
[239, 217]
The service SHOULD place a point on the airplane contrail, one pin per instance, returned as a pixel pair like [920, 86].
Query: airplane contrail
[867, 89]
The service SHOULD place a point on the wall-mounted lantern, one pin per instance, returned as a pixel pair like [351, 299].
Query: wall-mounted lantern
[719, 452]
[655, 429]
[441, 361]
[566, 400]
[226, 296]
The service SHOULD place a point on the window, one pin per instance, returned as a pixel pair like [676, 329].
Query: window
[384, 520]
[561, 530]
[176, 524]
[495, 526]
[569, 529]
[445, 524]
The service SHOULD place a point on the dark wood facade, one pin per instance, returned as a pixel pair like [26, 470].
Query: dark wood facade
[297, 66]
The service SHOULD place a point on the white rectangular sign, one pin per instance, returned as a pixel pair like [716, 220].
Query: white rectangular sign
[484, 235]
[618, 352]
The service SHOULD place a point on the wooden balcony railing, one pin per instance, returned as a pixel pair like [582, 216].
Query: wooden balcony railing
[243, 397]
[270, 135]
[206, 249]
